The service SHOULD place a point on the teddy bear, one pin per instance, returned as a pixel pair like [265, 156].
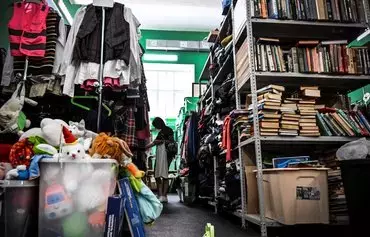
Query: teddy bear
[105, 146]
[50, 130]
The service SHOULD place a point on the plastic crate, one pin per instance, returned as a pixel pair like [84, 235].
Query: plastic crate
[18, 208]
[296, 196]
[73, 197]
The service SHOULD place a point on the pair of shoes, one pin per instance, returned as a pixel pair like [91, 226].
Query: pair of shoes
[163, 199]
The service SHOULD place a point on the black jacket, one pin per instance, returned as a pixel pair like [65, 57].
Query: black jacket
[117, 35]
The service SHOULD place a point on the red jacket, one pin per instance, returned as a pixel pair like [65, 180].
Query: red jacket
[27, 29]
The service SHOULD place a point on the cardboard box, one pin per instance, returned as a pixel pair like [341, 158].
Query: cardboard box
[132, 211]
[115, 216]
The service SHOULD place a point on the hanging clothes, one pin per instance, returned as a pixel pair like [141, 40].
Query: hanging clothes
[117, 36]
[226, 137]
[27, 29]
[78, 72]
[124, 124]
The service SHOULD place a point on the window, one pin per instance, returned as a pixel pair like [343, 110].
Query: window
[168, 85]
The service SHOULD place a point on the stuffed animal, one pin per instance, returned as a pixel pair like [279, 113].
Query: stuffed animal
[4, 169]
[105, 146]
[19, 173]
[73, 150]
[79, 130]
[58, 203]
[50, 130]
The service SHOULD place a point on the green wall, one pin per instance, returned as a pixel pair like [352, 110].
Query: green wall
[196, 58]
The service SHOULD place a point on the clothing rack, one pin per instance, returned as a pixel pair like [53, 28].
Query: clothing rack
[103, 4]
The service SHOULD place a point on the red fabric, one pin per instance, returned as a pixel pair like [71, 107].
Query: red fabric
[27, 29]
[68, 136]
[226, 137]
[109, 82]
[21, 153]
[4, 152]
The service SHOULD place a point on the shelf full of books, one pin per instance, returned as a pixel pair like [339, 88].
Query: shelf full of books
[290, 68]
[298, 113]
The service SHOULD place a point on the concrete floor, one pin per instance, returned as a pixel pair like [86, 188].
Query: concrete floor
[179, 220]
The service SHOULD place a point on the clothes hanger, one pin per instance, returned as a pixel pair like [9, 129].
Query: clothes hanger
[87, 108]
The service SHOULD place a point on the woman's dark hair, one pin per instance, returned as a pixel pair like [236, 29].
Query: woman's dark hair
[158, 123]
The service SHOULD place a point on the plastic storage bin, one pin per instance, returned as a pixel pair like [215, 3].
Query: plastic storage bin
[73, 197]
[296, 196]
[356, 182]
[18, 208]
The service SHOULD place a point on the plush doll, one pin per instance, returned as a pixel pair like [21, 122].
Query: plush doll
[19, 173]
[79, 130]
[50, 130]
[73, 150]
[4, 169]
[105, 146]
[58, 203]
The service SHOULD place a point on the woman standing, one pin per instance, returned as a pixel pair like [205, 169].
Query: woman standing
[163, 157]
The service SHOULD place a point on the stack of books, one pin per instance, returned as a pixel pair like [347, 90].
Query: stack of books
[307, 110]
[269, 103]
[337, 200]
[289, 123]
[321, 10]
[336, 122]
[269, 56]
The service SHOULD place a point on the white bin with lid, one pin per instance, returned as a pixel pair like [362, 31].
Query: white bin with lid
[73, 196]
[18, 208]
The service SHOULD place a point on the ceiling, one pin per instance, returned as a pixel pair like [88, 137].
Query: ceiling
[186, 15]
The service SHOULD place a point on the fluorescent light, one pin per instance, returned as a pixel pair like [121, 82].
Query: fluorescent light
[65, 12]
[160, 57]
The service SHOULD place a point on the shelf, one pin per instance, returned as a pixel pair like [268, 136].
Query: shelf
[337, 83]
[223, 28]
[307, 29]
[205, 72]
[255, 219]
[281, 140]
[226, 68]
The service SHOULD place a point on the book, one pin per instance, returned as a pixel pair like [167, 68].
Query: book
[289, 122]
[294, 127]
[343, 124]
[269, 130]
[311, 93]
[307, 124]
[269, 125]
[325, 130]
[332, 125]
[269, 96]
[269, 87]
[269, 133]
[349, 122]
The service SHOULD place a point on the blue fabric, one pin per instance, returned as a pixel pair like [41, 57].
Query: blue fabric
[23, 175]
[150, 207]
[193, 138]
[34, 166]
[226, 3]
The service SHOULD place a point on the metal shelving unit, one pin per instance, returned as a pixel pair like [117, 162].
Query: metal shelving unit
[254, 80]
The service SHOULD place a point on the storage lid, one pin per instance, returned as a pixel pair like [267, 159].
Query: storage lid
[91, 161]
[292, 169]
[18, 183]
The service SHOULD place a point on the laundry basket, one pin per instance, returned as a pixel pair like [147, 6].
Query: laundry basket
[73, 197]
[18, 208]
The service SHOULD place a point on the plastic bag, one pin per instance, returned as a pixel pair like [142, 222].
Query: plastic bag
[355, 150]
[150, 207]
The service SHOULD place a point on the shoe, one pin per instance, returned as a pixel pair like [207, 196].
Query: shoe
[161, 198]
[165, 200]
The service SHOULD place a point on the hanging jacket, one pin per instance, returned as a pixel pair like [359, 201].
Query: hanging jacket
[226, 137]
[27, 29]
[117, 36]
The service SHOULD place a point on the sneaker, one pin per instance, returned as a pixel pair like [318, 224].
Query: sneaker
[161, 198]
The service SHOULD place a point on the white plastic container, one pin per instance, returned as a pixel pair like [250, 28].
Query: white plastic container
[296, 195]
[73, 196]
[18, 208]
